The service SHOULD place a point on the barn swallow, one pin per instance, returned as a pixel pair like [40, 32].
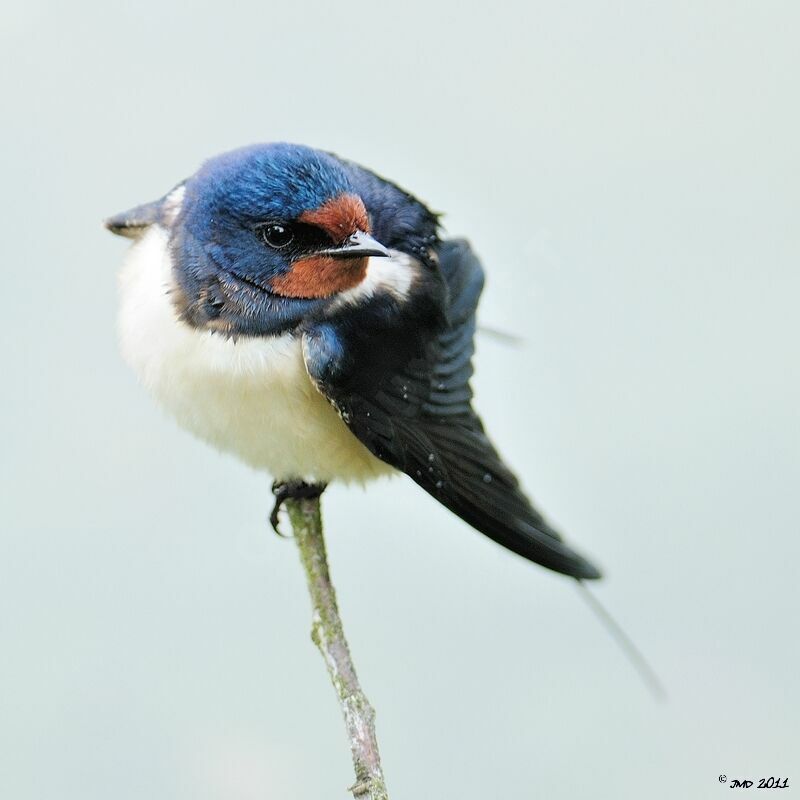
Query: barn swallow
[301, 312]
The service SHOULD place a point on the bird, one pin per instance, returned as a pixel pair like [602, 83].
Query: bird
[307, 315]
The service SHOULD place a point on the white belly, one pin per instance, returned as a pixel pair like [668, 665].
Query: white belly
[252, 398]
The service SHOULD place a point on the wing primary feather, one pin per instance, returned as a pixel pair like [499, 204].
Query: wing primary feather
[402, 384]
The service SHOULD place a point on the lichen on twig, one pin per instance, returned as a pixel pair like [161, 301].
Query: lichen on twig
[328, 635]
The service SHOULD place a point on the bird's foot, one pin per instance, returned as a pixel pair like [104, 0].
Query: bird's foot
[291, 490]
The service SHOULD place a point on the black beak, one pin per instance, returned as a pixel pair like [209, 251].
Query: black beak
[359, 245]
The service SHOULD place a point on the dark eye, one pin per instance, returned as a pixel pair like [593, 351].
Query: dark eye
[276, 235]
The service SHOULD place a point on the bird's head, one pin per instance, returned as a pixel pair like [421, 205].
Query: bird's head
[260, 238]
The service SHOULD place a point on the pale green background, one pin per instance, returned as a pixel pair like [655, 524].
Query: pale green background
[629, 174]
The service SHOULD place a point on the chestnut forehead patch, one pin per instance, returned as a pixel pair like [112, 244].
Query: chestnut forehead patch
[339, 217]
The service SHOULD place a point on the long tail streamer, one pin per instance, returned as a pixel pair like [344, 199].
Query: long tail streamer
[631, 651]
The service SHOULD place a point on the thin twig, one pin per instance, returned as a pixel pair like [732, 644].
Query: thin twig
[328, 635]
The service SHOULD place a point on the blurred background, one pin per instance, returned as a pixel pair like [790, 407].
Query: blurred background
[628, 173]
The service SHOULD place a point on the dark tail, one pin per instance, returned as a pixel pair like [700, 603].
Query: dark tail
[632, 653]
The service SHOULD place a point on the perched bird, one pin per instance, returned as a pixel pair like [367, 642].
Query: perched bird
[303, 313]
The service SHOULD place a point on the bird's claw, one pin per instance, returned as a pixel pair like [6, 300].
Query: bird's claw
[281, 492]
[291, 490]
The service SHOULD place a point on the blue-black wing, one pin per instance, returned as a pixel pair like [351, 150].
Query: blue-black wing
[401, 383]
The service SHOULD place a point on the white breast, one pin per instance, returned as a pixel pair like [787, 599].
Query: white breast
[252, 397]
